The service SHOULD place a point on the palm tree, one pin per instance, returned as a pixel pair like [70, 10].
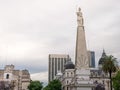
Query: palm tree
[110, 66]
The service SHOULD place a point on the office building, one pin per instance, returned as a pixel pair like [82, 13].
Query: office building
[56, 64]
[91, 58]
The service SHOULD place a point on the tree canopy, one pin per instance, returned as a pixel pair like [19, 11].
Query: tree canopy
[109, 66]
[53, 85]
[35, 85]
[116, 81]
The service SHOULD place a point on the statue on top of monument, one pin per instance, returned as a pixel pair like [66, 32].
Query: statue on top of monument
[79, 17]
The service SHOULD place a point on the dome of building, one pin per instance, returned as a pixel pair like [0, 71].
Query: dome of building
[69, 65]
[101, 60]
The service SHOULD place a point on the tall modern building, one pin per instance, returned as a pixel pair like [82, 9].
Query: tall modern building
[56, 64]
[91, 58]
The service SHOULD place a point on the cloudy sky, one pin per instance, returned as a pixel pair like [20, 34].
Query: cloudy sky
[32, 29]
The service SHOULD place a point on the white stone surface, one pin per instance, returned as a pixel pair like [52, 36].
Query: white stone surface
[84, 88]
[81, 49]
[82, 73]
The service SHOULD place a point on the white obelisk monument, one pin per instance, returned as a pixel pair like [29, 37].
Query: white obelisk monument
[82, 71]
[81, 59]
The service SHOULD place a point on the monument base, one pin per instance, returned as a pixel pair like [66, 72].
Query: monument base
[84, 88]
[83, 76]
[82, 80]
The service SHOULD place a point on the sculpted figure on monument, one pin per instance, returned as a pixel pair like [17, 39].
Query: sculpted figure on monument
[79, 18]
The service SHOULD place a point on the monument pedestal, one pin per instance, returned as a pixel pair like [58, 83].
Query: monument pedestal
[82, 80]
[83, 76]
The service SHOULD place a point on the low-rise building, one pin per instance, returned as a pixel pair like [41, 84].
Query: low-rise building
[11, 79]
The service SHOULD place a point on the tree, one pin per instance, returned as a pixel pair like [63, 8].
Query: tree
[116, 81]
[35, 85]
[110, 66]
[53, 85]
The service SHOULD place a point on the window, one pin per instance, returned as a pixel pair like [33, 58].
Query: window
[67, 88]
[103, 82]
[7, 76]
[67, 74]
[71, 74]
[67, 81]
[91, 74]
[103, 75]
[96, 74]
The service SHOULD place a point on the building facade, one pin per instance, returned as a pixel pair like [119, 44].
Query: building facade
[56, 64]
[11, 79]
[100, 79]
[68, 75]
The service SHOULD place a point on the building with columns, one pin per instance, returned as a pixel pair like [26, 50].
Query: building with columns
[56, 64]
